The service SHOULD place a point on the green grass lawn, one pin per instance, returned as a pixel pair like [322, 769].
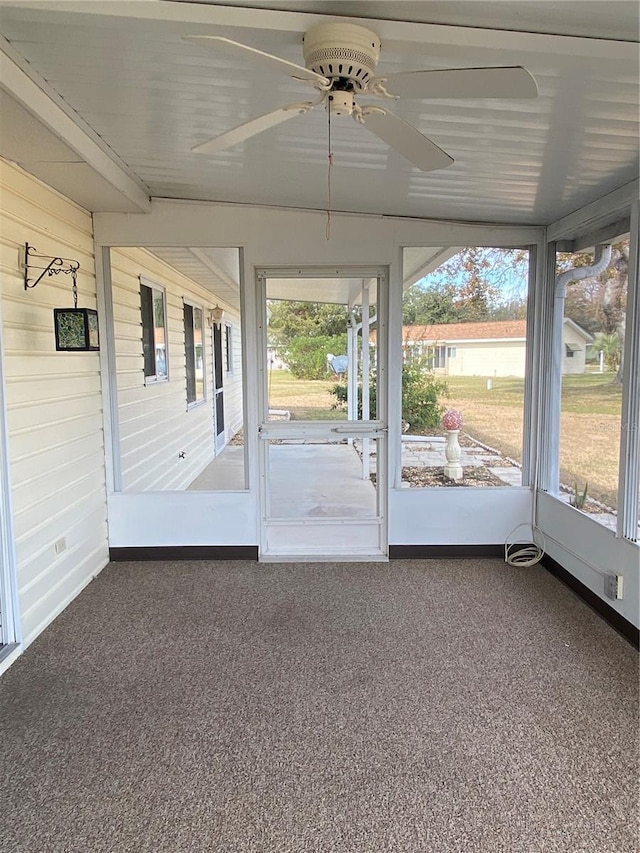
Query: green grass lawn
[589, 432]
[590, 426]
[593, 393]
[306, 399]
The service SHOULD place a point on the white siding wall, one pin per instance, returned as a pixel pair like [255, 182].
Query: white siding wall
[577, 363]
[490, 358]
[54, 405]
[155, 424]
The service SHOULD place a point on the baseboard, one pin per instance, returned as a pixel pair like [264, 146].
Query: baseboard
[621, 625]
[185, 552]
[446, 552]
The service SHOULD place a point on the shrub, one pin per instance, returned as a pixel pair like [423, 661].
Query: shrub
[420, 396]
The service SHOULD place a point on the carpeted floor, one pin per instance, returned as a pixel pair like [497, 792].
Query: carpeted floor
[310, 708]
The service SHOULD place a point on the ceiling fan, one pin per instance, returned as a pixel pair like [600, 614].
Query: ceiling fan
[340, 62]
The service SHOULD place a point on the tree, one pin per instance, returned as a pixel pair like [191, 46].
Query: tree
[424, 307]
[598, 304]
[307, 356]
[611, 347]
[476, 284]
[477, 300]
[290, 320]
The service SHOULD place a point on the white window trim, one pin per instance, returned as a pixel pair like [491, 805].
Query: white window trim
[196, 403]
[228, 352]
[154, 379]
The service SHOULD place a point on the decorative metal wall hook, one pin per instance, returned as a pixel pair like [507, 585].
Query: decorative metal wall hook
[76, 329]
[66, 266]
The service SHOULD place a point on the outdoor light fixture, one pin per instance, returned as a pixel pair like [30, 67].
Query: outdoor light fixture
[76, 328]
[217, 314]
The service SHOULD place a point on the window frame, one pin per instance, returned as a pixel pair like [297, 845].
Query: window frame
[570, 236]
[155, 289]
[194, 306]
[228, 348]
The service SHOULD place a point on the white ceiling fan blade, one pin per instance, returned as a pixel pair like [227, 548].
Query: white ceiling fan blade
[268, 60]
[406, 140]
[513, 82]
[249, 129]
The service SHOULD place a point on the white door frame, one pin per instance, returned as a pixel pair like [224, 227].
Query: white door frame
[313, 536]
[219, 438]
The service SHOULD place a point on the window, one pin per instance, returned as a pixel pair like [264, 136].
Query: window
[439, 354]
[592, 388]
[154, 332]
[194, 352]
[229, 347]
[477, 298]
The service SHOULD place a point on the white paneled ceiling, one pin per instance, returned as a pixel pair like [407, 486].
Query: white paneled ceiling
[147, 96]
[217, 270]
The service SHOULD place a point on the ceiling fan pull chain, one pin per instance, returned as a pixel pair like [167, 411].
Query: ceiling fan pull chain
[330, 164]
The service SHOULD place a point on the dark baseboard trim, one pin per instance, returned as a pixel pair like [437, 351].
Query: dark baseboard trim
[439, 552]
[185, 552]
[621, 625]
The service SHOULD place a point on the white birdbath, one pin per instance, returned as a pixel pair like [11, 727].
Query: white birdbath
[453, 452]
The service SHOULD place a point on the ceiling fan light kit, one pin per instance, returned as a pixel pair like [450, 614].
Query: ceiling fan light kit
[341, 61]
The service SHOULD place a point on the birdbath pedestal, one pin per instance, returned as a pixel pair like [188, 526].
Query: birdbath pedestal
[453, 453]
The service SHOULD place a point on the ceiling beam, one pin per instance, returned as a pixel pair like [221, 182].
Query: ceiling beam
[36, 96]
[595, 216]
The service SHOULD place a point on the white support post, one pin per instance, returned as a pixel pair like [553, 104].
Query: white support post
[629, 465]
[10, 627]
[352, 371]
[366, 371]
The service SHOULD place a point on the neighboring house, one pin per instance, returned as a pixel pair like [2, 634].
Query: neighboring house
[496, 348]
[576, 341]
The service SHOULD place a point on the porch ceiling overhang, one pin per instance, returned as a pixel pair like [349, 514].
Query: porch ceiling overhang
[140, 98]
[337, 291]
[218, 270]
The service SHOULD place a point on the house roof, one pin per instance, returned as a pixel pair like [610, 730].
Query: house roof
[446, 332]
[572, 324]
[493, 330]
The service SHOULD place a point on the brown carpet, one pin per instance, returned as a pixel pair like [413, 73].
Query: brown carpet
[311, 708]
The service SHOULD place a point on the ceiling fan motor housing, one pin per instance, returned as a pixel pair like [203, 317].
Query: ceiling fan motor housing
[342, 51]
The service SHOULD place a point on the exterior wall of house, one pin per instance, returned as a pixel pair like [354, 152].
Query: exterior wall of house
[54, 406]
[576, 344]
[487, 358]
[156, 425]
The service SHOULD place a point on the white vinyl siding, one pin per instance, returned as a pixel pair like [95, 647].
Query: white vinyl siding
[575, 343]
[54, 405]
[488, 358]
[156, 425]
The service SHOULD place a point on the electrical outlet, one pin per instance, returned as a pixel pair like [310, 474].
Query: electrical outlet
[613, 586]
[61, 545]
